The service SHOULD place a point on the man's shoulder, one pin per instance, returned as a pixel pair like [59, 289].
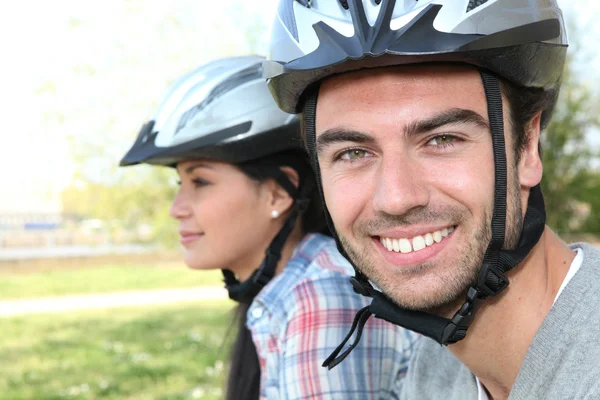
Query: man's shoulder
[562, 360]
[571, 372]
[434, 373]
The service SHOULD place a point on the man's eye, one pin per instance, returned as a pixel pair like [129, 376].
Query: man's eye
[355, 154]
[442, 140]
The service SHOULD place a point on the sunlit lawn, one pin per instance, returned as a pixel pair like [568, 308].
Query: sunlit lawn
[166, 352]
[104, 278]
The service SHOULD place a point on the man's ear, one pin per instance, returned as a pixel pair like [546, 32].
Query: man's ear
[530, 163]
[280, 199]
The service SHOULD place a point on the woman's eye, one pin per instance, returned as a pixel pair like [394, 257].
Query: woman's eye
[441, 140]
[355, 154]
[199, 182]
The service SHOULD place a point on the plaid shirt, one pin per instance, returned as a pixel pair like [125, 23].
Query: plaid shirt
[303, 314]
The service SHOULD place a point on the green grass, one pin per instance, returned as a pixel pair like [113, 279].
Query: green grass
[166, 352]
[111, 277]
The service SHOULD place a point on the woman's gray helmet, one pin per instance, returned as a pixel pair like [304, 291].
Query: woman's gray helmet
[521, 41]
[223, 111]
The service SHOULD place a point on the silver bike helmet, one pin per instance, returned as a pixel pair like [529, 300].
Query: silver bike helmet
[521, 41]
[224, 111]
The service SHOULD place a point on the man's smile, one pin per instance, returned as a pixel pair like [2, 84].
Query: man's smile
[400, 249]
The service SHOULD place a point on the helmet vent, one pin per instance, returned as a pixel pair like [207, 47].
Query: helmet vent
[247, 75]
[286, 12]
[344, 3]
[473, 4]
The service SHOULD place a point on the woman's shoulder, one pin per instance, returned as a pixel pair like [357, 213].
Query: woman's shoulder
[320, 257]
[321, 278]
[315, 269]
[317, 259]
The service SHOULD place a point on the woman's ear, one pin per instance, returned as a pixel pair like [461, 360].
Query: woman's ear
[292, 175]
[280, 200]
[530, 162]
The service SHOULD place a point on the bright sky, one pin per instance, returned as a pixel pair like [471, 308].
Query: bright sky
[92, 72]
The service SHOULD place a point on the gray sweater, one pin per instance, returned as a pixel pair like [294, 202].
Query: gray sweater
[563, 361]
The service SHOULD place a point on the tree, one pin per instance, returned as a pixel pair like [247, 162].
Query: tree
[570, 183]
[138, 200]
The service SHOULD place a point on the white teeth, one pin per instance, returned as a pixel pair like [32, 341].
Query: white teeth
[429, 239]
[418, 243]
[405, 246]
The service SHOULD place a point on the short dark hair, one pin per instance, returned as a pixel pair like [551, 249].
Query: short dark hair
[524, 104]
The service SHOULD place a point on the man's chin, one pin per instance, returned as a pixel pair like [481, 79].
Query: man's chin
[427, 286]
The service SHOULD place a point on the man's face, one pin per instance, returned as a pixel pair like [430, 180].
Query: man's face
[408, 177]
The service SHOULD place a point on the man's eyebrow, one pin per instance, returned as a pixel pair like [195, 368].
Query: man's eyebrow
[337, 135]
[452, 116]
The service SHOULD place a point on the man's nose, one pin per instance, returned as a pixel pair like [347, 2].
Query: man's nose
[400, 186]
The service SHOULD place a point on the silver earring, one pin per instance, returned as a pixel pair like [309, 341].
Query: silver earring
[275, 214]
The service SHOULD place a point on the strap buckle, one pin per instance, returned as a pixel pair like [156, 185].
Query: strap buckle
[491, 280]
[360, 287]
[456, 330]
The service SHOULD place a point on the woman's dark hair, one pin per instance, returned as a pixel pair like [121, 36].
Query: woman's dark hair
[243, 382]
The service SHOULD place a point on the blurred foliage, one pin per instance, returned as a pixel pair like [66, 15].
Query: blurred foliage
[571, 184]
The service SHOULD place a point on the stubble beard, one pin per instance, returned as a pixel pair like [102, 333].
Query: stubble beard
[434, 287]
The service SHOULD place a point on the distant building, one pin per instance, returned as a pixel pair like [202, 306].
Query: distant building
[30, 207]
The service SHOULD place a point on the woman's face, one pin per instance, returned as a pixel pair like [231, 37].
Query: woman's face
[225, 218]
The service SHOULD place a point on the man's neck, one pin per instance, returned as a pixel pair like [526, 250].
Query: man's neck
[505, 326]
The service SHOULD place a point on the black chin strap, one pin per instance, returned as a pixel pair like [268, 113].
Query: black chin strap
[492, 278]
[244, 292]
